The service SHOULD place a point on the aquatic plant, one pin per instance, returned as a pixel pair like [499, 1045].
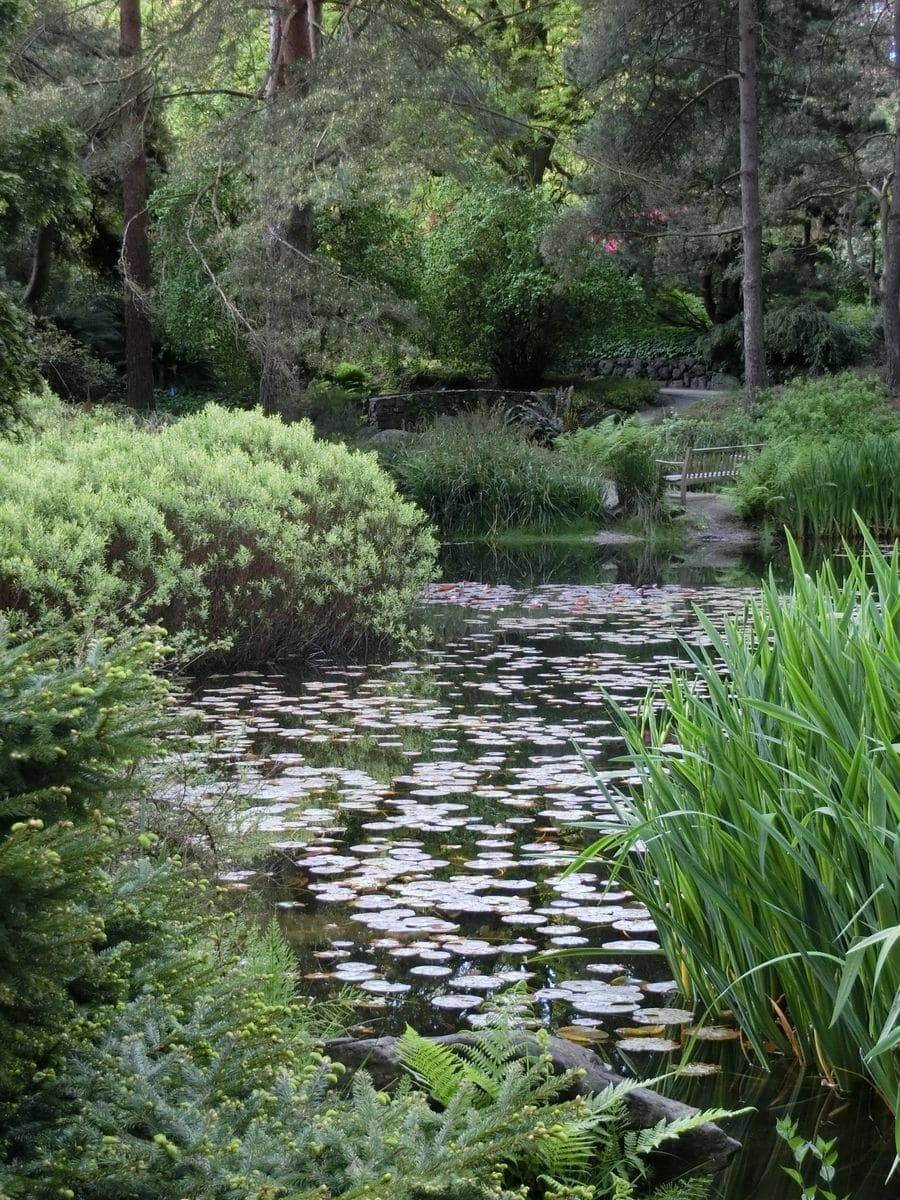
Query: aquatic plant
[764, 836]
[819, 489]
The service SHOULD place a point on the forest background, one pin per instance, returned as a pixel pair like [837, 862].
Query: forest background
[309, 200]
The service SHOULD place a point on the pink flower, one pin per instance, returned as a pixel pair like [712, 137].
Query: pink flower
[611, 245]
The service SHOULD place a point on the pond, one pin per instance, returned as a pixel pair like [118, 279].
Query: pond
[417, 817]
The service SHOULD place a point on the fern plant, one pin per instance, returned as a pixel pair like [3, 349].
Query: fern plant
[503, 1090]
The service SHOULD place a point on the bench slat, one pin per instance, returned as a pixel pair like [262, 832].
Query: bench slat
[707, 464]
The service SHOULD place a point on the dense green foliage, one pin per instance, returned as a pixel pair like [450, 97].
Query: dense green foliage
[493, 300]
[799, 337]
[832, 453]
[236, 532]
[15, 375]
[768, 817]
[476, 474]
[626, 455]
[819, 489]
[587, 1142]
[69, 732]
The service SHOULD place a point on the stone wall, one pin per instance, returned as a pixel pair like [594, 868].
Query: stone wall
[405, 410]
[687, 371]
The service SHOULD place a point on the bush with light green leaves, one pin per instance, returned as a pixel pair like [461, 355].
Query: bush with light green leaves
[242, 536]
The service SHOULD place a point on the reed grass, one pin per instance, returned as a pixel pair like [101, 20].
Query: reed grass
[826, 486]
[764, 835]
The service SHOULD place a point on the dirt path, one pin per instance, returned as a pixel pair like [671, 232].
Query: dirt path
[717, 536]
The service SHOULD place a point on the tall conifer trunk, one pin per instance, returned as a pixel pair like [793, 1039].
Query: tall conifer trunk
[751, 210]
[295, 36]
[135, 244]
[890, 283]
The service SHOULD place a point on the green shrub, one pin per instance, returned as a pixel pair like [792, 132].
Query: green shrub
[476, 474]
[236, 532]
[594, 400]
[69, 368]
[764, 834]
[833, 406]
[16, 377]
[71, 732]
[861, 318]
[798, 338]
[337, 411]
[489, 295]
[626, 455]
[819, 490]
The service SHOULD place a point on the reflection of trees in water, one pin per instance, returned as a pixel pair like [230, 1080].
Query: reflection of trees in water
[639, 563]
[527, 566]
[863, 1130]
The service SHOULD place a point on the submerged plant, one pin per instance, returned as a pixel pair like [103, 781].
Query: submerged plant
[764, 835]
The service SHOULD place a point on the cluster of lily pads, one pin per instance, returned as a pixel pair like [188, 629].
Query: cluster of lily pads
[421, 813]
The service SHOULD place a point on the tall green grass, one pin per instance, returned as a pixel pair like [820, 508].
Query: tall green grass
[764, 836]
[475, 474]
[819, 490]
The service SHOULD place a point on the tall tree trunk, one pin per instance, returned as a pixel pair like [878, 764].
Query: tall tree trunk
[135, 260]
[41, 261]
[751, 210]
[295, 36]
[890, 281]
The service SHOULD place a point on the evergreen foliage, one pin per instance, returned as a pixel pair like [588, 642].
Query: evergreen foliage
[72, 727]
[799, 337]
[16, 377]
[242, 535]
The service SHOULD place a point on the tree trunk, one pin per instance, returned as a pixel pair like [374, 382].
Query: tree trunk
[135, 259]
[890, 282]
[295, 36]
[751, 210]
[41, 260]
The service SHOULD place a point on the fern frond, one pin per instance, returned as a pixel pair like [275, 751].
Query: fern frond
[433, 1064]
[696, 1188]
[642, 1142]
[567, 1150]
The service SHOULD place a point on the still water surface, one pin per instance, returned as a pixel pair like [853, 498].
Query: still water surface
[419, 814]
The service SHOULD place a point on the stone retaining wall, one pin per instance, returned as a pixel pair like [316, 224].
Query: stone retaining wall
[687, 371]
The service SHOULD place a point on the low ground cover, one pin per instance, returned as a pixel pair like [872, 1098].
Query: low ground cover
[245, 537]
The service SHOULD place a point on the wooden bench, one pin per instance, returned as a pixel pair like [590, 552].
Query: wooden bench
[706, 464]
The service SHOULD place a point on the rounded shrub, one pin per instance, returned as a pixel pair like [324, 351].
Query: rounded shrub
[491, 298]
[243, 536]
[798, 338]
